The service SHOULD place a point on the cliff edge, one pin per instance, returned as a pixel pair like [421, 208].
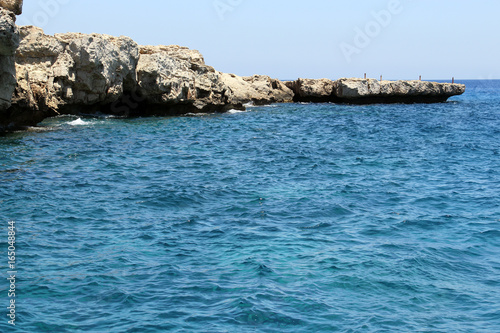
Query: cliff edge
[73, 73]
[9, 41]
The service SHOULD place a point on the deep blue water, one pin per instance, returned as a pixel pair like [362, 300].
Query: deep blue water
[287, 218]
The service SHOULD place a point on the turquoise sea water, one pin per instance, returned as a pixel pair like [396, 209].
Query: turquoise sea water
[287, 218]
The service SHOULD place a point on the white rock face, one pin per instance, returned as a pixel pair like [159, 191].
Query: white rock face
[259, 89]
[72, 69]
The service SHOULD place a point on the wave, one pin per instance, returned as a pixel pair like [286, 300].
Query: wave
[197, 114]
[234, 111]
[78, 122]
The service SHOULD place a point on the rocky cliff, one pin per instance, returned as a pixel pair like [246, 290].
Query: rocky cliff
[77, 73]
[9, 41]
[74, 73]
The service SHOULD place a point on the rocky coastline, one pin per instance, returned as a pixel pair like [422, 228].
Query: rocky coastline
[73, 73]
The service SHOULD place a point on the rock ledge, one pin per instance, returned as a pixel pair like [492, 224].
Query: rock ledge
[75, 73]
[370, 91]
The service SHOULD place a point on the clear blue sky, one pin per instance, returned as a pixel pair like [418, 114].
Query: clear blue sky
[437, 39]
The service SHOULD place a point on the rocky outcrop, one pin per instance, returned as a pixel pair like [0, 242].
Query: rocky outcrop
[257, 89]
[15, 6]
[9, 41]
[175, 51]
[308, 90]
[76, 73]
[70, 73]
[364, 91]
[367, 91]
[174, 80]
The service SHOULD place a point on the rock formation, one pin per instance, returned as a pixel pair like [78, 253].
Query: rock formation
[70, 73]
[173, 80]
[367, 91]
[364, 91]
[257, 89]
[9, 41]
[74, 73]
[15, 6]
[308, 90]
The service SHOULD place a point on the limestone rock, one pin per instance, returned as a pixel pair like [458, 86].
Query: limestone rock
[374, 91]
[58, 72]
[35, 45]
[356, 88]
[309, 90]
[15, 6]
[76, 73]
[175, 51]
[170, 75]
[259, 89]
[87, 73]
[7, 81]
[9, 34]
[366, 91]
[9, 41]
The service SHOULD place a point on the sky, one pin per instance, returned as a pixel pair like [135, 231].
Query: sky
[399, 39]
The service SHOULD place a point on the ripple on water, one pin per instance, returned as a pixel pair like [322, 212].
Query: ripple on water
[291, 218]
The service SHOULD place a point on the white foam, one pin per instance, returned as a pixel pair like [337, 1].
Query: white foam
[249, 104]
[234, 111]
[78, 122]
[197, 114]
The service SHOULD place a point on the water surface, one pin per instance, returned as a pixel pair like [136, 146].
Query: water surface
[287, 218]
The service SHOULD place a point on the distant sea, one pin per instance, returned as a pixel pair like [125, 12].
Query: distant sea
[284, 218]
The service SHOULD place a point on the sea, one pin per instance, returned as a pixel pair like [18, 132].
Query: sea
[282, 218]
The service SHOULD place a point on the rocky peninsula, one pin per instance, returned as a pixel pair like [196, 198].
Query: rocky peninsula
[72, 73]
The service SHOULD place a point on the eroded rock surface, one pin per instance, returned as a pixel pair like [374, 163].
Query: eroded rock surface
[9, 41]
[363, 91]
[366, 91]
[70, 73]
[309, 90]
[257, 89]
[15, 6]
[176, 80]
[76, 73]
